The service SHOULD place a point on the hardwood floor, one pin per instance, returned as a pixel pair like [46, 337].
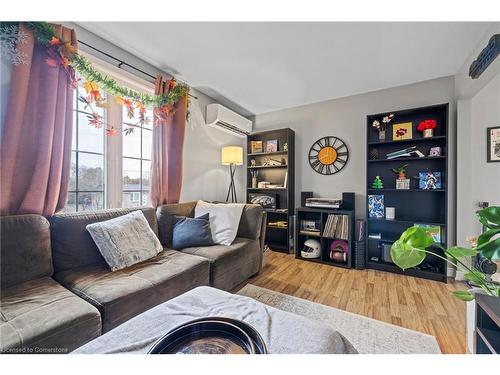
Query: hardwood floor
[422, 305]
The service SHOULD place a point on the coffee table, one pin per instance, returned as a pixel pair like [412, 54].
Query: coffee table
[283, 332]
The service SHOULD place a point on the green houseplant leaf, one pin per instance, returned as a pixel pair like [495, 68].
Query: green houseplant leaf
[409, 250]
[490, 217]
[460, 252]
[490, 250]
[464, 295]
[475, 277]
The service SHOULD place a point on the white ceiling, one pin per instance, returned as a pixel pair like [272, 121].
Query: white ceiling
[263, 67]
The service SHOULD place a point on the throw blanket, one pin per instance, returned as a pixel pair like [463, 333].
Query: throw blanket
[283, 332]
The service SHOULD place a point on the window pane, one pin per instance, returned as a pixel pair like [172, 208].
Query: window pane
[90, 201]
[147, 142]
[72, 173]
[132, 143]
[81, 106]
[73, 140]
[89, 138]
[70, 203]
[131, 174]
[90, 171]
[131, 199]
[148, 116]
[146, 166]
[145, 198]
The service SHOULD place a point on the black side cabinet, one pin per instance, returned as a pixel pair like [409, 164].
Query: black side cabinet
[487, 332]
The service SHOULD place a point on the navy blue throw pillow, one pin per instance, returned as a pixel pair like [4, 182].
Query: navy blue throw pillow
[191, 232]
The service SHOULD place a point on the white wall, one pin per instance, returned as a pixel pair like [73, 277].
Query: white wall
[346, 119]
[478, 180]
[203, 176]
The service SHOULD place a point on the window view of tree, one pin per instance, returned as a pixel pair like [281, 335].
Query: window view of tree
[136, 161]
[86, 186]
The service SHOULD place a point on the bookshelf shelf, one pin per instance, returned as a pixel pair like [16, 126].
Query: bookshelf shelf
[320, 216]
[277, 238]
[412, 206]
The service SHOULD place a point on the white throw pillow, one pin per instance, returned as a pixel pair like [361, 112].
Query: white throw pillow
[125, 240]
[224, 219]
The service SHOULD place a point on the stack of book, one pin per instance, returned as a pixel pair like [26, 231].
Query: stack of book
[337, 226]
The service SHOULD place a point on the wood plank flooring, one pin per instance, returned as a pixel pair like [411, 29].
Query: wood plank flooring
[422, 305]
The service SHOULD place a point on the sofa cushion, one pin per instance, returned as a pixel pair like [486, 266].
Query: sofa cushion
[251, 221]
[41, 315]
[125, 240]
[190, 232]
[72, 245]
[125, 293]
[26, 253]
[166, 213]
[224, 219]
[230, 265]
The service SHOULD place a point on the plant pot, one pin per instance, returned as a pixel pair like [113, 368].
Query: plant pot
[428, 133]
[402, 175]
[381, 135]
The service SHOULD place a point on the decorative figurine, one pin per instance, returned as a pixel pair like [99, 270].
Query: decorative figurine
[285, 146]
[427, 128]
[402, 183]
[377, 183]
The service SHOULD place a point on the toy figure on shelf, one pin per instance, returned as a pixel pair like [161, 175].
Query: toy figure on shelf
[377, 183]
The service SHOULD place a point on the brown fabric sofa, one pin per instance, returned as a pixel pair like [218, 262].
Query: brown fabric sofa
[120, 295]
[38, 315]
[38, 311]
[229, 265]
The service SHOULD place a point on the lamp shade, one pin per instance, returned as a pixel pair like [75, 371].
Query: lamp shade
[232, 155]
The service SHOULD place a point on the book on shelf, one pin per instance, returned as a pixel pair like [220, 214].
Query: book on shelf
[310, 233]
[337, 226]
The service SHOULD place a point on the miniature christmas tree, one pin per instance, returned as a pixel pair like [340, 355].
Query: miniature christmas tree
[377, 183]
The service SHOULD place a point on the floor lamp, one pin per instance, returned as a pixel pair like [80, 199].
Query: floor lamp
[232, 156]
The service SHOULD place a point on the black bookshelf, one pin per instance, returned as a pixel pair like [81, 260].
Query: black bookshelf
[413, 206]
[277, 238]
[487, 327]
[321, 215]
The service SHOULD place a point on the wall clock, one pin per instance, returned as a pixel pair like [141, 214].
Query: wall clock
[328, 155]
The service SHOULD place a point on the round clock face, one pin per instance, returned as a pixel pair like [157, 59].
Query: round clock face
[328, 155]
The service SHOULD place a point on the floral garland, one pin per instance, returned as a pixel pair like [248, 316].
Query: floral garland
[62, 54]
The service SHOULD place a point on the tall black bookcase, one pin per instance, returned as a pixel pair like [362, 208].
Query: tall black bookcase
[414, 206]
[277, 237]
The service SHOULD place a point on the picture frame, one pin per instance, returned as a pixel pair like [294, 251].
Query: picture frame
[430, 180]
[493, 144]
[402, 131]
[256, 147]
[272, 145]
[376, 209]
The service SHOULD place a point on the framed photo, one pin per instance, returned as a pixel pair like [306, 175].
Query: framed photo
[493, 144]
[429, 180]
[256, 147]
[376, 206]
[272, 146]
[402, 131]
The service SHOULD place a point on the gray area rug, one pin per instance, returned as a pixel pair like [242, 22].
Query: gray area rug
[368, 336]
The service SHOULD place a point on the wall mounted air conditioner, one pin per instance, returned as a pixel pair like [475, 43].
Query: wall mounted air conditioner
[223, 118]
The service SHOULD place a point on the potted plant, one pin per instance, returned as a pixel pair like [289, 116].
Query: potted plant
[410, 250]
[400, 171]
[382, 127]
[427, 128]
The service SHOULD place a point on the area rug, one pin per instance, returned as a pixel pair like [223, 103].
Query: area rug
[369, 336]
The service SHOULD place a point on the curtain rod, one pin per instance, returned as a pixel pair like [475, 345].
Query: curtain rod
[121, 62]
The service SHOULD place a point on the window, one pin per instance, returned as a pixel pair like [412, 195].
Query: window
[86, 185]
[110, 171]
[136, 160]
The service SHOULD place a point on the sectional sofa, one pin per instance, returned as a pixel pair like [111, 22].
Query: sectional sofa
[57, 292]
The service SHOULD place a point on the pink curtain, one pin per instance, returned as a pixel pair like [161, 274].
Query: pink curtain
[35, 152]
[166, 158]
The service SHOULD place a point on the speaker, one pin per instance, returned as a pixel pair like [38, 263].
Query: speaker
[303, 196]
[348, 201]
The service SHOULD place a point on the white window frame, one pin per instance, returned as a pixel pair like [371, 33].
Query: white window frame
[113, 150]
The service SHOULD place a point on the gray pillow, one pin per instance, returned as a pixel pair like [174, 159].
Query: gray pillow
[125, 240]
[191, 232]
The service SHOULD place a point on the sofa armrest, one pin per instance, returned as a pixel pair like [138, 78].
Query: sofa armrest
[251, 222]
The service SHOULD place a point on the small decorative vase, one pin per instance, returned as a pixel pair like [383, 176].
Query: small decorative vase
[254, 182]
[381, 135]
[428, 133]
